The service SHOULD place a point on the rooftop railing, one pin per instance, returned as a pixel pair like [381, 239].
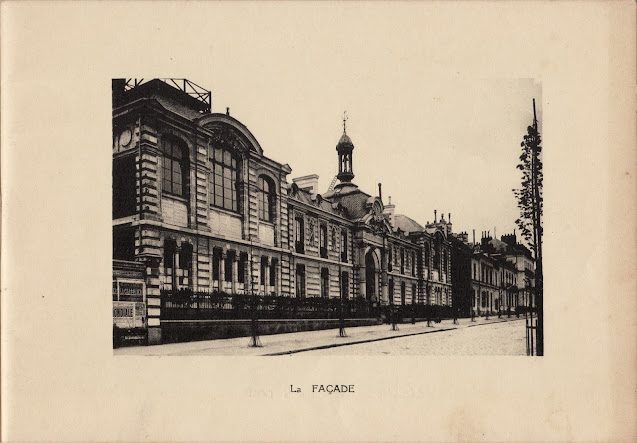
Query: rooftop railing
[182, 84]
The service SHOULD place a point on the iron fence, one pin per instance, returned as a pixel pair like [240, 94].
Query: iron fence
[189, 305]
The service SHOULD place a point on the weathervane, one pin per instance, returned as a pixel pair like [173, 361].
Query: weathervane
[344, 120]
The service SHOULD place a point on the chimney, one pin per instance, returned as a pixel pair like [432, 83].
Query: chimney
[227, 110]
[449, 217]
[389, 210]
[474, 236]
[308, 183]
[380, 192]
[435, 216]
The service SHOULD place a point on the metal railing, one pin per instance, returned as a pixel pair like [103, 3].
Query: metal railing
[190, 305]
[182, 84]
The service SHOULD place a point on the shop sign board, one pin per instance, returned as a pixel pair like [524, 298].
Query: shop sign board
[128, 314]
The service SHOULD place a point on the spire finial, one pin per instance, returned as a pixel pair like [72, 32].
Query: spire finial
[344, 120]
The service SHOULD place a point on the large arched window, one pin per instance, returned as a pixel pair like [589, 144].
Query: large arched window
[224, 177]
[174, 166]
[266, 198]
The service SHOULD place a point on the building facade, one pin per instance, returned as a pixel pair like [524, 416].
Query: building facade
[200, 206]
[493, 276]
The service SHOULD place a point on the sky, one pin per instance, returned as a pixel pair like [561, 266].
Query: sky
[437, 133]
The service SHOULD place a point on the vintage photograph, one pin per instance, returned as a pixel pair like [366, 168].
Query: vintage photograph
[222, 248]
[407, 221]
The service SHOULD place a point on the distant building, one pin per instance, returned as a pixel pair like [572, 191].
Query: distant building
[493, 276]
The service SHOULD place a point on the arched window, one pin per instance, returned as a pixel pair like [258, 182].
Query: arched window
[174, 166]
[266, 198]
[224, 179]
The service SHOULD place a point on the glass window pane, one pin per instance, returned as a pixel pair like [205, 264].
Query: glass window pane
[218, 155]
[227, 173]
[177, 151]
[227, 158]
[218, 170]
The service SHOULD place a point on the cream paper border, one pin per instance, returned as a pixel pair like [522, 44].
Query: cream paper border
[60, 381]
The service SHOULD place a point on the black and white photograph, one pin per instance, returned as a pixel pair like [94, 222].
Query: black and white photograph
[213, 239]
[338, 221]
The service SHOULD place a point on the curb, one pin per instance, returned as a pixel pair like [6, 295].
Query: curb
[371, 340]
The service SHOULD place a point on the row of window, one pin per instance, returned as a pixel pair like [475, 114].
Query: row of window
[325, 282]
[487, 300]
[487, 275]
[299, 239]
[403, 290]
[224, 178]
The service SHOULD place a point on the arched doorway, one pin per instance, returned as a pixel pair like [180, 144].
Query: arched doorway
[370, 276]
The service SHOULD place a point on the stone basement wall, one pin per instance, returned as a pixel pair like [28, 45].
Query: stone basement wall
[178, 331]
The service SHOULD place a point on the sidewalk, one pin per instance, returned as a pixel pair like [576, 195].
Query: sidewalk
[283, 344]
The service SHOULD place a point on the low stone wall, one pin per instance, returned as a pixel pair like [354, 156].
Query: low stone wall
[176, 331]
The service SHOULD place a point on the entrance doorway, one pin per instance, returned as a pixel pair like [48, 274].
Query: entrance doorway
[370, 276]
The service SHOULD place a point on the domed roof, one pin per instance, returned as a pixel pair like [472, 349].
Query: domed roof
[345, 139]
[345, 143]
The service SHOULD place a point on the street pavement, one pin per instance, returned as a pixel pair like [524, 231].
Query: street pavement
[496, 336]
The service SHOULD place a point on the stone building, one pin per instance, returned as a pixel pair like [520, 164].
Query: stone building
[487, 276]
[202, 208]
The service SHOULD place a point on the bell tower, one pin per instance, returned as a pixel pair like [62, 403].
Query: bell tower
[344, 149]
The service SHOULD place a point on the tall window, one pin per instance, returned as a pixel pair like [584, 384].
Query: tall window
[391, 290]
[224, 177]
[216, 262]
[185, 264]
[437, 254]
[273, 265]
[403, 292]
[299, 229]
[169, 257]
[414, 294]
[174, 166]
[227, 273]
[325, 283]
[266, 199]
[264, 265]
[343, 245]
[427, 263]
[402, 261]
[323, 241]
[300, 281]
[241, 267]
[413, 263]
[390, 259]
[345, 284]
